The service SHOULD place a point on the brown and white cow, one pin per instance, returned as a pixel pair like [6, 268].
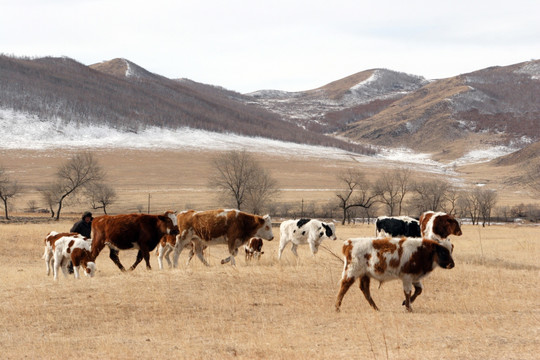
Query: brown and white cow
[438, 226]
[131, 231]
[408, 259]
[253, 248]
[50, 241]
[230, 226]
[75, 249]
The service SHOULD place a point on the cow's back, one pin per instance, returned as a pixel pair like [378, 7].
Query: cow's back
[124, 230]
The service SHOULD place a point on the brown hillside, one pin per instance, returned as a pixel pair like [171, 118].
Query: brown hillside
[336, 89]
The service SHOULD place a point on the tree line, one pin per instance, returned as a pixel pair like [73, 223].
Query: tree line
[245, 184]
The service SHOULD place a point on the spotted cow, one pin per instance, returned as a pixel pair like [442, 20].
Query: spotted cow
[438, 226]
[50, 241]
[75, 249]
[253, 248]
[384, 259]
[304, 231]
[395, 226]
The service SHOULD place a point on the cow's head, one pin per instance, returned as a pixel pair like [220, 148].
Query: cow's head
[443, 256]
[90, 269]
[328, 230]
[265, 228]
[445, 225]
[167, 225]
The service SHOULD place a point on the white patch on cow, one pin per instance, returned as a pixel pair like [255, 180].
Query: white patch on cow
[172, 216]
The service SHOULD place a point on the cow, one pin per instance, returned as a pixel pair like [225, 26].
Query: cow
[167, 244]
[131, 231]
[304, 231]
[253, 248]
[223, 226]
[384, 259]
[438, 226]
[396, 226]
[50, 241]
[77, 250]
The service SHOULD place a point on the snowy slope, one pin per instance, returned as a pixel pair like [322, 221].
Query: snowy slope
[23, 131]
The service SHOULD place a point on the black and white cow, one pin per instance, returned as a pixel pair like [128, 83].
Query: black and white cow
[304, 231]
[397, 226]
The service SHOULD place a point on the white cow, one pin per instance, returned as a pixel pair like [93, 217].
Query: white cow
[305, 231]
[76, 250]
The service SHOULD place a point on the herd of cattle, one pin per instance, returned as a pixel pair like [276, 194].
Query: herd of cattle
[403, 247]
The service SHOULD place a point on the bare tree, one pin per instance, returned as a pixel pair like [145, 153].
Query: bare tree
[357, 192]
[8, 190]
[72, 176]
[392, 187]
[100, 195]
[486, 199]
[242, 180]
[430, 195]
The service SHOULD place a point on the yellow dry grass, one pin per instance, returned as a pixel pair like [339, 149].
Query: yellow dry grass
[487, 307]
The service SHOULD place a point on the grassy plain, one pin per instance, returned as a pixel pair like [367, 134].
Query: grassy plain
[487, 307]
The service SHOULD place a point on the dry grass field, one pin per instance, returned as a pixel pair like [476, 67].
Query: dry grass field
[487, 307]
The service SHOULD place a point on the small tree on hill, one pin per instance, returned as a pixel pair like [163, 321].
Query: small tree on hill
[8, 190]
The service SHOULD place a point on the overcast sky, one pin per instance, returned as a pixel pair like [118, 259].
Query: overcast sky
[286, 45]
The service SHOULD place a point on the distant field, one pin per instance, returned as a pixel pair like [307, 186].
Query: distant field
[179, 179]
[487, 307]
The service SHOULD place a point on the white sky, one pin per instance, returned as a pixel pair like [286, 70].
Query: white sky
[287, 45]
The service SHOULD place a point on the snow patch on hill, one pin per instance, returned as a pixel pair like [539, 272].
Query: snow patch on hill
[24, 131]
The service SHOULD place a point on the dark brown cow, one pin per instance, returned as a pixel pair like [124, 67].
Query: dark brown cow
[408, 259]
[438, 226]
[133, 231]
[231, 227]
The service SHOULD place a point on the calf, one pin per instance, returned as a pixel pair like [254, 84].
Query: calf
[73, 248]
[253, 248]
[438, 226]
[167, 244]
[408, 259]
[50, 241]
[396, 226]
[304, 231]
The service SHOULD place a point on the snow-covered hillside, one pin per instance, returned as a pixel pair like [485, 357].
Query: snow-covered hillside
[22, 131]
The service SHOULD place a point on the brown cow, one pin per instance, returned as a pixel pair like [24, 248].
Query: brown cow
[231, 227]
[437, 226]
[132, 231]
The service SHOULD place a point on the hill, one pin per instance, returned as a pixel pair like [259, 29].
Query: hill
[450, 117]
[123, 96]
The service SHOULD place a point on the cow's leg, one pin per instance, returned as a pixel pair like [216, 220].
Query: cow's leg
[48, 259]
[64, 267]
[140, 256]
[181, 241]
[282, 243]
[160, 253]
[417, 291]
[364, 286]
[168, 250]
[56, 267]
[76, 272]
[346, 283]
[113, 254]
[314, 246]
[199, 251]
[293, 249]
[407, 290]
